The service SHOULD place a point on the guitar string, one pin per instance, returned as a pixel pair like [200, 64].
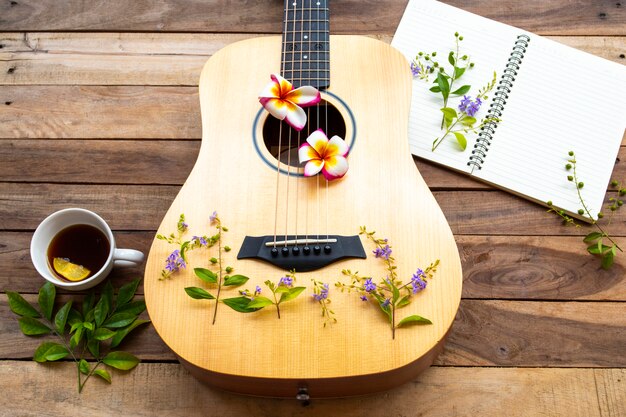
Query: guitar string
[300, 82]
[293, 62]
[280, 132]
[319, 223]
[308, 125]
[326, 114]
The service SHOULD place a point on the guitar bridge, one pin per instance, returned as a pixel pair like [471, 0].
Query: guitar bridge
[299, 253]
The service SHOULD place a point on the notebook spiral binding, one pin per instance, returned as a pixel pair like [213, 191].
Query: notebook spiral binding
[498, 102]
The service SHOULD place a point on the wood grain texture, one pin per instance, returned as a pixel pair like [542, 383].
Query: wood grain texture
[438, 392]
[157, 58]
[99, 112]
[160, 162]
[139, 207]
[579, 17]
[495, 267]
[485, 333]
[289, 352]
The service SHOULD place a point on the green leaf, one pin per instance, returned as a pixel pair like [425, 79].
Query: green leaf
[593, 236]
[443, 84]
[607, 259]
[282, 289]
[102, 373]
[90, 315]
[94, 347]
[126, 293]
[77, 337]
[33, 327]
[83, 367]
[260, 302]
[460, 138]
[449, 112]
[88, 302]
[107, 294]
[121, 360]
[88, 325]
[293, 293]
[50, 351]
[406, 300]
[61, 317]
[458, 72]
[396, 293]
[101, 310]
[413, 320]
[240, 304]
[103, 334]
[461, 90]
[47, 293]
[75, 326]
[206, 275]
[235, 280]
[134, 307]
[595, 250]
[198, 293]
[74, 317]
[119, 320]
[468, 121]
[183, 250]
[435, 89]
[121, 333]
[20, 306]
[385, 309]
[451, 59]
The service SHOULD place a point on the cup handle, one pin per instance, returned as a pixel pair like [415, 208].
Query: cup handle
[127, 257]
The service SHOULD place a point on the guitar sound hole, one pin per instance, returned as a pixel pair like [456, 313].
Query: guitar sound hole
[324, 116]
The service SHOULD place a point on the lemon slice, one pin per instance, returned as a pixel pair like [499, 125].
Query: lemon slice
[69, 270]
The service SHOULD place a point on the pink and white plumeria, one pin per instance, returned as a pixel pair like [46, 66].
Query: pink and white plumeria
[285, 103]
[327, 156]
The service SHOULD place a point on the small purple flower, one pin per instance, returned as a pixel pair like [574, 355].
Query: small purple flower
[386, 302]
[286, 281]
[184, 225]
[470, 107]
[415, 69]
[174, 262]
[245, 293]
[363, 298]
[369, 286]
[384, 252]
[257, 290]
[417, 282]
[323, 293]
[213, 217]
[200, 240]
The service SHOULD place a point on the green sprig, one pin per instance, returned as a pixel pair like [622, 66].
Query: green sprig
[98, 328]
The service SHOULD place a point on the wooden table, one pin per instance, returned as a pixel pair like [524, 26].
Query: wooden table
[99, 109]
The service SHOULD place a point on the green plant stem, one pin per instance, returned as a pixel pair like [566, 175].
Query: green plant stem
[91, 371]
[582, 201]
[219, 283]
[276, 303]
[447, 131]
[393, 321]
[452, 79]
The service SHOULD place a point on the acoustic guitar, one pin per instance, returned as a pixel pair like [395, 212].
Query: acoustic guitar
[248, 172]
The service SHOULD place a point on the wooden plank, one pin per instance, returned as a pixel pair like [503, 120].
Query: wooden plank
[156, 389]
[485, 333]
[152, 162]
[584, 17]
[154, 58]
[84, 161]
[141, 207]
[99, 112]
[494, 267]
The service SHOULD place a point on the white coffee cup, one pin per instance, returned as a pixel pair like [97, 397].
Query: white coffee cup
[62, 219]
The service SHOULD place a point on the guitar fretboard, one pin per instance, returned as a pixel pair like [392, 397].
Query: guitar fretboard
[305, 51]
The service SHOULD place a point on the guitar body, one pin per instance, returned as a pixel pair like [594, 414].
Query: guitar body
[258, 353]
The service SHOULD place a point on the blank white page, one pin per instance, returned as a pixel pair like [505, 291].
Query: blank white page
[562, 99]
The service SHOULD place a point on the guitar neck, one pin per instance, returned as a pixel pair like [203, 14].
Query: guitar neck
[305, 58]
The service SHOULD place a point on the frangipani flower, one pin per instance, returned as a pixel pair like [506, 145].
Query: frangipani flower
[285, 103]
[321, 154]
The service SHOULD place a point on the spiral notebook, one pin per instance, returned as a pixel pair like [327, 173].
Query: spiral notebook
[550, 98]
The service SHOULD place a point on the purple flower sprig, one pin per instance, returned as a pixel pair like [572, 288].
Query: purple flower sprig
[320, 294]
[390, 293]
[462, 120]
[282, 291]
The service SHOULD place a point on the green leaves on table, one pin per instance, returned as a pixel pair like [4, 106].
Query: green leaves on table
[98, 327]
